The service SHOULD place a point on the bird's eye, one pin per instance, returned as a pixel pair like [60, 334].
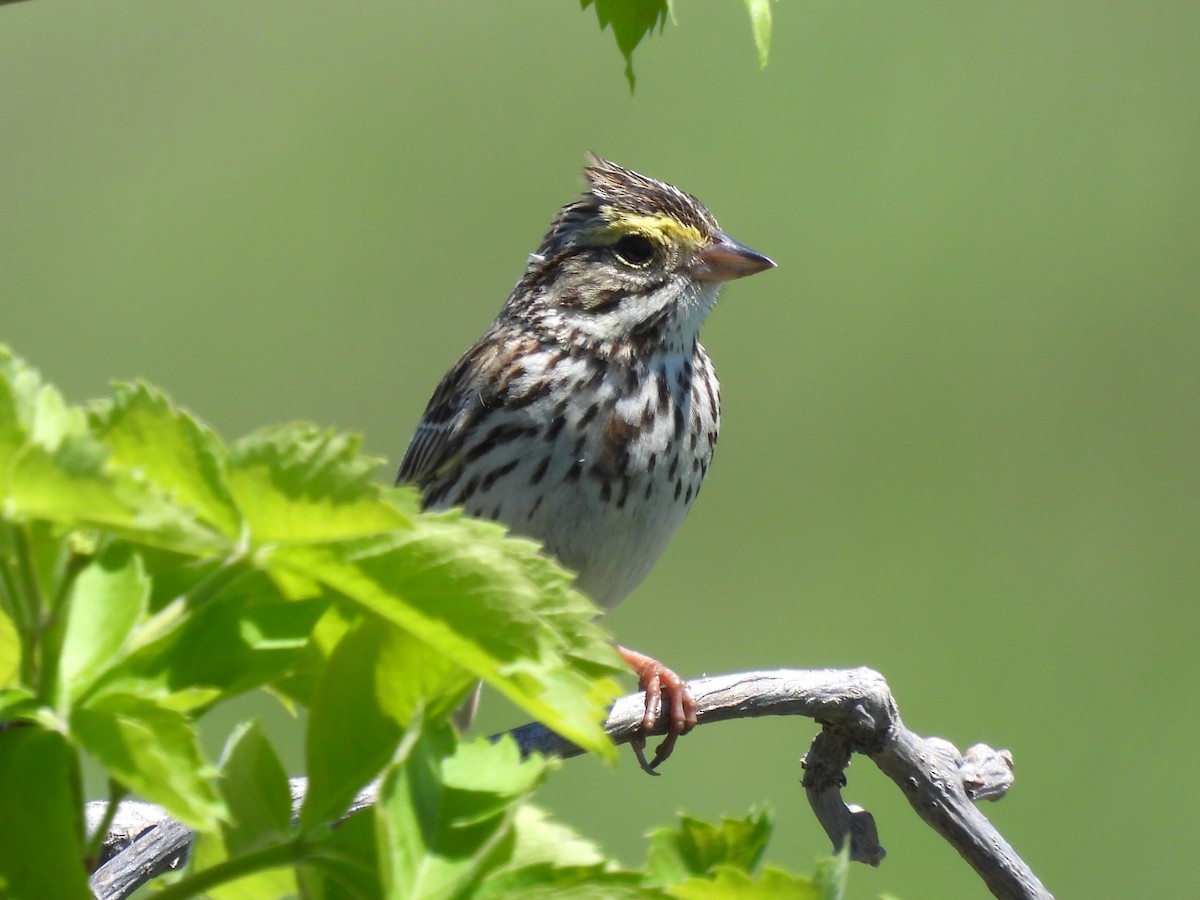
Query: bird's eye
[634, 250]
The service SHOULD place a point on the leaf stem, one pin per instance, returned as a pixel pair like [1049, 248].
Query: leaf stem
[10, 595]
[344, 869]
[226, 573]
[26, 603]
[201, 882]
[116, 793]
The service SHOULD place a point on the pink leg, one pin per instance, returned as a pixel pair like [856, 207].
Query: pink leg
[656, 679]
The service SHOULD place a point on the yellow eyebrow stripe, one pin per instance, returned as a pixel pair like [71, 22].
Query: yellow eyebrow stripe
[665, 228]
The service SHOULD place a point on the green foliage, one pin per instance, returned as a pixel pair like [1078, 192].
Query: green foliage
[41, 836]
[632, 20]
[760, 22]
[699, 861]
[149, 573]
[698, 848]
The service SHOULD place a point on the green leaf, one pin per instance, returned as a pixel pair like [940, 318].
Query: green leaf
[413, 677]
[31, 412]
[697, 847]
[832, 873]
[10, 651]
[347, 702]
[208, 850]
[41, 830]
[729, 883]
[299, 683]
[551, 860]
[493, 605]
[445, 813]
[343, 864]
[255, 788]
[246, 637]
[699, 861]
[73, 487]
[760, 23]
[53, 469]
[19, 704]
[631, 20]
[67, 485]
[18, 385]
[542, 840]
[483, 778]
[143, 431]
[298, 483]
[151, 749]
[52, 555]
[378, 680]
[547, 882]
[106, 600]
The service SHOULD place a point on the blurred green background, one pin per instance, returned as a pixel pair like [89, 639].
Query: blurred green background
[961, 434]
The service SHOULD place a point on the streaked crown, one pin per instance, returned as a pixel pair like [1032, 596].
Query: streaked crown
[620, 202]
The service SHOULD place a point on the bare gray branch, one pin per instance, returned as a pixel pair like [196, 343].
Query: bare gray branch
[858, 715]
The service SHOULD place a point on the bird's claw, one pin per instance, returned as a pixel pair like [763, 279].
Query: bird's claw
[656, 679]
[638, 744]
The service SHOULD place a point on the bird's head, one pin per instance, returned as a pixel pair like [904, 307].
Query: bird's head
[633, 257]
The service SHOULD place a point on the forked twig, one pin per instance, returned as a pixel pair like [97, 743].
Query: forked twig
[858, 715]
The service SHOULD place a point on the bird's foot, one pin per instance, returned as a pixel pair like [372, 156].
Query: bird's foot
[657, 680]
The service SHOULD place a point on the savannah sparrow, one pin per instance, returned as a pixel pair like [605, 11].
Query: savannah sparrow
[586, 415]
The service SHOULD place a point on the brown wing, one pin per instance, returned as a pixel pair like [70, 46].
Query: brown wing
[435, 442]
[480, 381]
[484, 380]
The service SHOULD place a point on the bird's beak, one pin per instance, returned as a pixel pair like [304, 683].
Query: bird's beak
[724, 259]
